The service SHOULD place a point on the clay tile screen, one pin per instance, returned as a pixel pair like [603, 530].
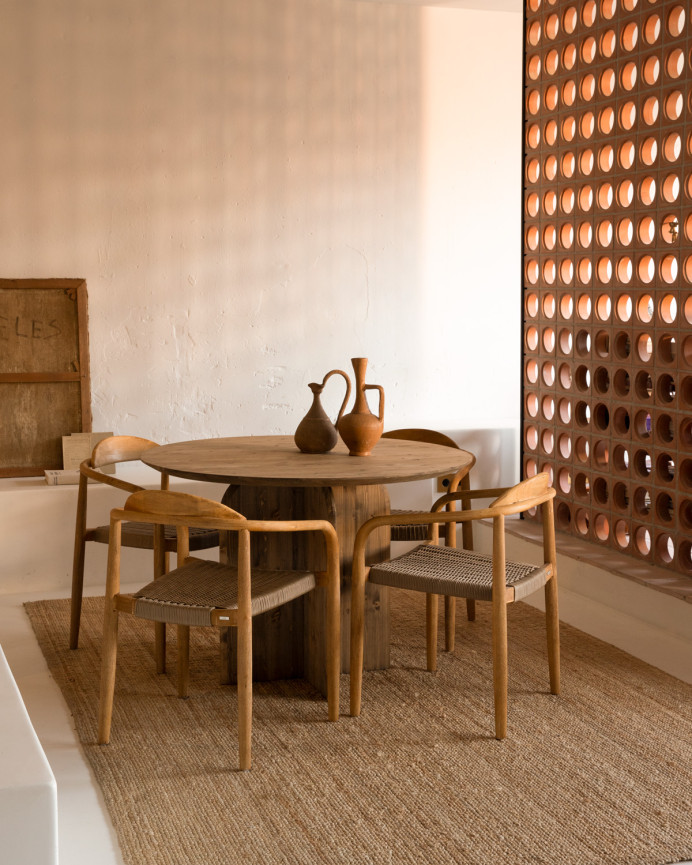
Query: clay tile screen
[607, 375]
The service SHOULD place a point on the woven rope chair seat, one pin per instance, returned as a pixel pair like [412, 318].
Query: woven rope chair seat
[141, 536]
[188, 595]
[408, 533]
[461, 573]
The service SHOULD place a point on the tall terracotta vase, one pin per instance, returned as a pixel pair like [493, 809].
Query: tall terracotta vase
[316, 434]
[361, 429]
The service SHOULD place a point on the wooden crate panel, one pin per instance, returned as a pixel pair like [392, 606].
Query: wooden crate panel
[39, 330]
[34, 418]
[44, 372]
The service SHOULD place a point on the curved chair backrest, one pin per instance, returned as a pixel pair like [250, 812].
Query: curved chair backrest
[113, 449]
[167, 503]
[119, 449]
[430, 436]
[531, 488]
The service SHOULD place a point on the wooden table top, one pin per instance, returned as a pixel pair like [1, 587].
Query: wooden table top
[276, 461]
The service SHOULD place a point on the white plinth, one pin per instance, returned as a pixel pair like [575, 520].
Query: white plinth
[28, 792]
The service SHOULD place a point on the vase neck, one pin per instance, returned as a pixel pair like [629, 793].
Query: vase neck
[359, 366]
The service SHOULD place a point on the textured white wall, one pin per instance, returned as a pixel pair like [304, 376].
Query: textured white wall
[257, 191]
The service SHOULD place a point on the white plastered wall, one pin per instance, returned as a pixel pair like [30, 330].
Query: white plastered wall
[255, 192]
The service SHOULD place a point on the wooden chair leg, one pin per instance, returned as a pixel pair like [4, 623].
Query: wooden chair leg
[499, 628]
[77, 592]
[553, 628]
[108, 664]
[467, 543]
[183, 660]
[225, 669]
[333, 649]
[451, 616]
[160, 568]
[78, 564]
[431, 631]
[245, 693]
[160, 647]
[357, 635]
[225, 657]
[552, 619]
[450, 622]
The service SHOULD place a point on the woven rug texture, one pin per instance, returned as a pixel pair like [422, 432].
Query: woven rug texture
[601, 775]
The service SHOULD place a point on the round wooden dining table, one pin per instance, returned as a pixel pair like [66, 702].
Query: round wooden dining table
[267, 477]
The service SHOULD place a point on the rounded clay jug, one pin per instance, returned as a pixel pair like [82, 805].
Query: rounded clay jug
[361, 429]
[316, 434]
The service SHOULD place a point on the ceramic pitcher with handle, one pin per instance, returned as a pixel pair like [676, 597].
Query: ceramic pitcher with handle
[360, 429]
[316, 434]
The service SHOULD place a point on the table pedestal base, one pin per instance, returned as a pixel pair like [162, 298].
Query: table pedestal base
[289, 642]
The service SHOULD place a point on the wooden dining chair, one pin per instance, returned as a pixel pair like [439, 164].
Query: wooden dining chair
[120, 449]
[421, 531]
[438, 570]
[213, 594]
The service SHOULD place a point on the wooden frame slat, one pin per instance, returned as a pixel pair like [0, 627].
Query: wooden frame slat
[53, 371]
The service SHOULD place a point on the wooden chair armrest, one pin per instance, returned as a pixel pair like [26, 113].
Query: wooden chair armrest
[468, 495]
[286, 525]
[86, 470]
[414, 519]
[505, 510]
[332, 575]
[444, 517]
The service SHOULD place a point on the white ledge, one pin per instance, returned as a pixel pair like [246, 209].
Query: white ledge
[642, 572]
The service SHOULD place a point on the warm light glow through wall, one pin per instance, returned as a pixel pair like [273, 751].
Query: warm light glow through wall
[608, 270]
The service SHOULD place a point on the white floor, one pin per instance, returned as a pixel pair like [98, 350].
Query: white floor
[85, 834]
[84, 830]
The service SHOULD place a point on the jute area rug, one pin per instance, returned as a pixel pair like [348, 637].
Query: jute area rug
[601, 775]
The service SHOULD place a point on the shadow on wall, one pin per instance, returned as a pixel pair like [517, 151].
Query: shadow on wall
[497, 465]
[241, 185]
[496, 452]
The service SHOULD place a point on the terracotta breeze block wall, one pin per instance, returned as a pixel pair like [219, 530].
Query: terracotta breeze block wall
[608, 270]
